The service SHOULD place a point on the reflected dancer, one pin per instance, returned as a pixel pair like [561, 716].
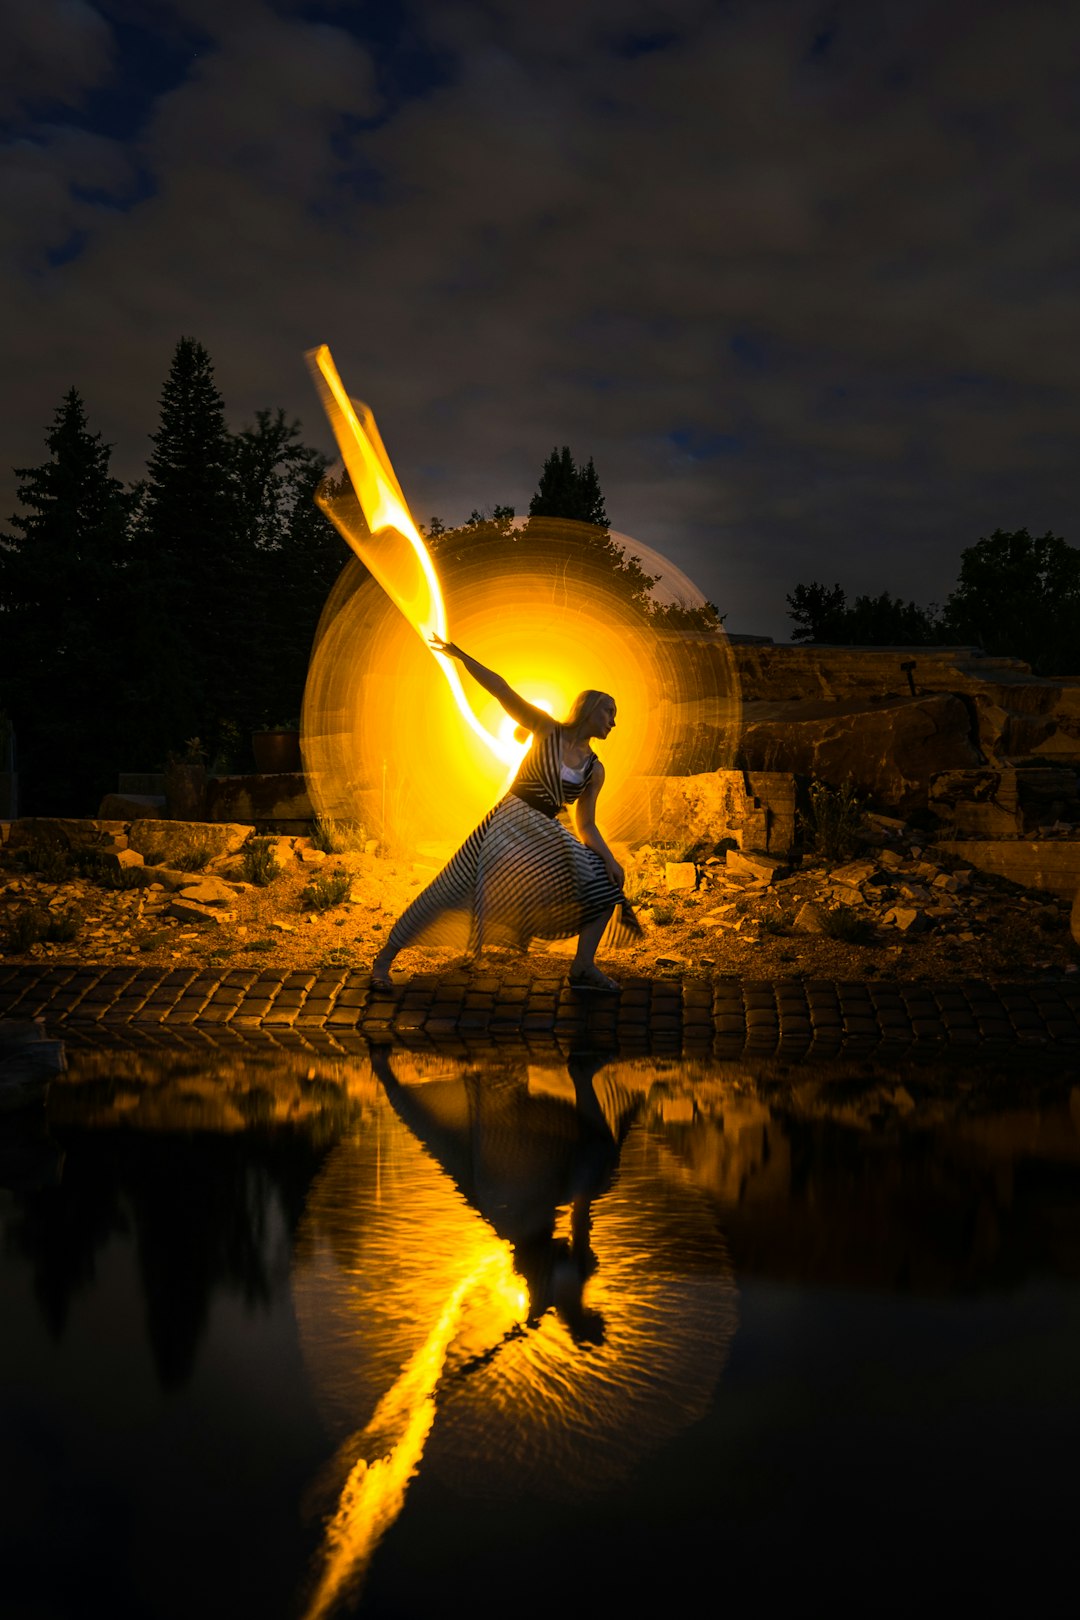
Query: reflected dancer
[435, 1269]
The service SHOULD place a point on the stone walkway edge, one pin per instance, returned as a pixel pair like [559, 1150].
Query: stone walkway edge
[333, 1007]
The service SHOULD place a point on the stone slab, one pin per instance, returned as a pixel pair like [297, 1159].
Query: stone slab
[1051, 864]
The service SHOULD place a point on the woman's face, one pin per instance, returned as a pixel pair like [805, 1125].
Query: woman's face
[602, 719]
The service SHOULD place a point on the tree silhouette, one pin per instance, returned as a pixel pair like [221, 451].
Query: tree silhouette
[61, 581]
[1020, 595]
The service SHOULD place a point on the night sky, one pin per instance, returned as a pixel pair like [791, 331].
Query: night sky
[802, 278]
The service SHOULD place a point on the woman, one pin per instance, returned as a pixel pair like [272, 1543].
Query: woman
[521, 874]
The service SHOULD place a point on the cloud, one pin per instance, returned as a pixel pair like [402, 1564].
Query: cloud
[54, 51]
[835, 246]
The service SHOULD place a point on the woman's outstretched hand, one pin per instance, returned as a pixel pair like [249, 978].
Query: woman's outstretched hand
[439, 645]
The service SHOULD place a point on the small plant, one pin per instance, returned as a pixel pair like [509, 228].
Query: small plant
[844, 923]
[195, 859]
[259, 863]
[326, 891]
[772, 924]
[832, 820]
[337, 956]
[335, 837]
[49, 861]
[258, 945]
[35, 926]
[663, 916]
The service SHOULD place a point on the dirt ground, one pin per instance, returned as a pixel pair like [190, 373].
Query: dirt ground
[725, 927]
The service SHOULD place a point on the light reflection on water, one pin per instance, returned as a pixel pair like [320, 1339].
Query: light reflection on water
[565, 1292]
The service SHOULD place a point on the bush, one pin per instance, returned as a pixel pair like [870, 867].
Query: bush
[49, 861]
[260, 865]
[194, 860]
[843, 922]
[35, 926]
[326, 891]
[335, 837]
[832, 820]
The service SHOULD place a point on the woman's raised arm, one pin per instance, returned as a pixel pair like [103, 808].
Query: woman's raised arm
[525, 714]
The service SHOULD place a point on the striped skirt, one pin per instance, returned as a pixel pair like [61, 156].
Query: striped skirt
[518, 876]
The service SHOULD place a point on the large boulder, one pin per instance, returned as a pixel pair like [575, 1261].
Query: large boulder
[888, 750]
[170, 843]
[69, 833]
[281, 797]
[1050, 864]
[756, 809]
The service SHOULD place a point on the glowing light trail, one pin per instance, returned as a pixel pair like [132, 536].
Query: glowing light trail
[395, 554]
[374, 1493]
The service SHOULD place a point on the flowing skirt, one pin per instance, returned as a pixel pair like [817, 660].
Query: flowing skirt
[518, 876]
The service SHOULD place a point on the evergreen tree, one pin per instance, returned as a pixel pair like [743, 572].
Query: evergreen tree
[188, 565]
[60, 655]
[568, 491]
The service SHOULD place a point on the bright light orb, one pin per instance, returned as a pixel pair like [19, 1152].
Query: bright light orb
[419, 754]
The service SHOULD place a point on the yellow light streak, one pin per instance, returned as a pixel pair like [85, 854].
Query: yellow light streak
[374, 1492]
[396, 553]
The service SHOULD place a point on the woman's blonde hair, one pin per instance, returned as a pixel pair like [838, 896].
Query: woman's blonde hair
[584, 704]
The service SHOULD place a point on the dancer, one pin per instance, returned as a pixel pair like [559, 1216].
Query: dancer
[521, 874]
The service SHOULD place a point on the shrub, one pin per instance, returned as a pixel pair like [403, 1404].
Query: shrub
[843, 922]
[326, 891]
[259, 863]
[50, 861]
[194, 860]
[34, 925]
[334, 836]
[663, 916]
[832, 820]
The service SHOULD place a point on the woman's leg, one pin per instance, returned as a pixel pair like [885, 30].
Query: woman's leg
[589, 938]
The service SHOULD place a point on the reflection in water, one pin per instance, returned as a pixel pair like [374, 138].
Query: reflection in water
[553, 1361]
[509, 1277]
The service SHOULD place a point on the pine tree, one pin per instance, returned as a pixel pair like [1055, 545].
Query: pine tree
[591, 497]
[61, 575]
[557, 494]
[189, 563]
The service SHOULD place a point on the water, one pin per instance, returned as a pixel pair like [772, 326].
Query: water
[288, 1336]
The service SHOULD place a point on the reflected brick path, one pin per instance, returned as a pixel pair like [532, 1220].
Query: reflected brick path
[120, 1003]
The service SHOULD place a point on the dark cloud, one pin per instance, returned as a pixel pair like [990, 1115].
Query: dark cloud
[800, 277]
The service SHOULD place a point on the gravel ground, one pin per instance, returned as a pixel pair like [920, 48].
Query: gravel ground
[728, 925]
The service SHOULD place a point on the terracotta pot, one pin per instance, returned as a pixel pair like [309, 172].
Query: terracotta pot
[276, 751]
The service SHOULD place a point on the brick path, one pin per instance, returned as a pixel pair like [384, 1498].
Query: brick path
[118, 1004]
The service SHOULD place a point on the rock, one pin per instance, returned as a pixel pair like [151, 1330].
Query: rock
[762, 868]
[132, 806]
[670, 961]
[757, 810]
[284, 927]
[680, 875]
[1052, 865]
[311, 856]
[1074, 919]
[891, 859]
[120, 860]
[191, 912]
[67, 832]
[854, 873]
[163, 842]
[904, 918]
[889, 750]
[165, 877]
[809, 919]
[209, 891]
[280, 797]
